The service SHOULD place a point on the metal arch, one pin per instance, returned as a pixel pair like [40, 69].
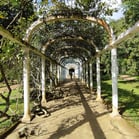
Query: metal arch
[83, 58]
[69, 52]
[87, 49]
[73, 60]
[63, 39]
[71, 47]
[40, 21]
[72, 65]
[67, 57]
[64, 57]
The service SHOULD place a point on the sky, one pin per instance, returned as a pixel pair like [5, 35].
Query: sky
[115, 4]
[117, 15]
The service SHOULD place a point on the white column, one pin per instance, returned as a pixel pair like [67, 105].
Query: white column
[98, 79]
[91, 77]
[26, 87]
[114, 70]
[58, 74]
[86, 75]
[81, 70]
[79, 77]
[43, 101]
[83, 73]
[51, 82]
[56, 81]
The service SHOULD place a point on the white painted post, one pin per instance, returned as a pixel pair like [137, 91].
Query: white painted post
[43, 101]
[58, 73]
[91, 77]
[81, 70]
[26, 87]
[56, 81]
[51, 82]
[114, 70]
[98, 79]
[60, 68]
[83, 73]
[86, 74]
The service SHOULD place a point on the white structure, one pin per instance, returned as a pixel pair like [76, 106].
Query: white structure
[62, 72]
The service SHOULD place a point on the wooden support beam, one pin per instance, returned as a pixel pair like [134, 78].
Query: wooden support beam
[115, 43]
[125, 35]
[6, 34]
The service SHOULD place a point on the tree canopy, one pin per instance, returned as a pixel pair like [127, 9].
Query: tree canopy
[131, 11]
[74, 38]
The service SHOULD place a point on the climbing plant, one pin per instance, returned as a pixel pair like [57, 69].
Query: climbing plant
[15, 16]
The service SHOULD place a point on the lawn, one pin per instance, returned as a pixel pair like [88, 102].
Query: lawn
[16, 108]
[128, 101]
[128, 90]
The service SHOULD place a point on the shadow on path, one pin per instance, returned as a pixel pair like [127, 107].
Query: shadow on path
[79, 120]
[90, 116]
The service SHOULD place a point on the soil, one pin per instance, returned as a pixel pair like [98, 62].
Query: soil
[77, 115]
[5, 89]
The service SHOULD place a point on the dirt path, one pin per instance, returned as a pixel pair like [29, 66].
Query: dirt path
[5, 89]
[77, 116]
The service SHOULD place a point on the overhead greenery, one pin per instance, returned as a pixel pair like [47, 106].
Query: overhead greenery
[131, 11]
[16, 16]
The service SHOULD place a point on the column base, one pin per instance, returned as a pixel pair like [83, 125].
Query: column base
[83, 82]
[26, 118]
[99, 99]
[115, 112]
[91, 91]
[43, 102]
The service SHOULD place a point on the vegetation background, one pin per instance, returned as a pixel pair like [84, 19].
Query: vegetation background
[17, 16]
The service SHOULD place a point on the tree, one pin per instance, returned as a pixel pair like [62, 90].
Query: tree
[15, 17]
[128, 50]
[131, 11]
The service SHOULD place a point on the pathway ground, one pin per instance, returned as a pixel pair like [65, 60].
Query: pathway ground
[77, 116]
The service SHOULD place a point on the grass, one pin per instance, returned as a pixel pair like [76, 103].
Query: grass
[16, 107]
[128, 101]
[128, 91]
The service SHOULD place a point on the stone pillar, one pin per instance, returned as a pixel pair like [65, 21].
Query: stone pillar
[91, 77]
[26, 87]
[83, 73]
[51, 82]
[56, 81]
[43, 101]
[58, 74]
[98, 79]
[114, 71]
[86, 74]
[79, 71]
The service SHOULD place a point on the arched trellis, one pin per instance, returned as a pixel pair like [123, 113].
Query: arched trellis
[63, 18]
[47, 19]
[65, 60]
[51, 42]
[70, 49]
[125, 35]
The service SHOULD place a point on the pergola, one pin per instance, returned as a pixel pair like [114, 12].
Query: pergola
[74, 52]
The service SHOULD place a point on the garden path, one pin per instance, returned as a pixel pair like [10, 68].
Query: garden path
[77, 116]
